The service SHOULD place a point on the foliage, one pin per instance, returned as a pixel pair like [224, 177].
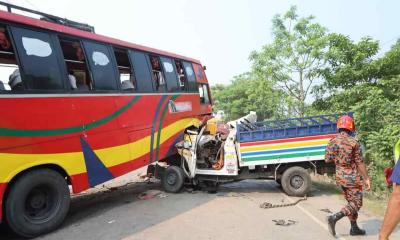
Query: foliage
[247, 93]
[295, 57]
[353, 76]
[369, 87]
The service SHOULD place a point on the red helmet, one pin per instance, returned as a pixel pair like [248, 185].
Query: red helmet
[346, 122]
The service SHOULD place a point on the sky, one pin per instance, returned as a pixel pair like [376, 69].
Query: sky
[221, 33]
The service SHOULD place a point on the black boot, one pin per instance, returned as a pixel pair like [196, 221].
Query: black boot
[355, 230]
[332, 219]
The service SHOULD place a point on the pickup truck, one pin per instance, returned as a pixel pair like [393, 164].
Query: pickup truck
[286, 151]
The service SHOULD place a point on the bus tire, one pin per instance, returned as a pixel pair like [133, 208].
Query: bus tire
[296, 181]
[37, 203]
[173, 179]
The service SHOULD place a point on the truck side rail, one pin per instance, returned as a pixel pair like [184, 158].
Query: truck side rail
[288, 128]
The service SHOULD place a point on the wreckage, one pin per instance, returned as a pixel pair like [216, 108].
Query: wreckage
[283, 150]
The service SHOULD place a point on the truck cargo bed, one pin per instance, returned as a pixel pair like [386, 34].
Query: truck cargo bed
[289, 140]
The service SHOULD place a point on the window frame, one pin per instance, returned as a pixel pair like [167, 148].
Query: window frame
[131, 53]
[174, 72]
[58, 53]
[112, 61]
[132, 69]
[186, 86]
[165, 87]
[194, 84]
[56, 37]
[73, 38]
[206, 86]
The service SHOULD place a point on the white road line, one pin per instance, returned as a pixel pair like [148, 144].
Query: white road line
[323, 225]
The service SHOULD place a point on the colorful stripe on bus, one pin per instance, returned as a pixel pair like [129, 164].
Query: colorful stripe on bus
[284, 148]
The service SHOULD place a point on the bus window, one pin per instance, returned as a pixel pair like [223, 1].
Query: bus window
[101, 66]
[204, 94]
[157, 75]
[142, 71]
[8, 64]
[78, 74]
[39, 60]
[170, 75]
[182, 79]
[192, 86]
[126, 77]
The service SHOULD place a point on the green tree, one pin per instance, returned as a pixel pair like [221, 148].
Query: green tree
[357, 80]
[248, 93]
[295, 57]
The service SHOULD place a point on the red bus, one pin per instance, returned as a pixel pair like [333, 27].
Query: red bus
[79, 109]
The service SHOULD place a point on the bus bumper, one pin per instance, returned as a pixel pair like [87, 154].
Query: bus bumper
[3, 187]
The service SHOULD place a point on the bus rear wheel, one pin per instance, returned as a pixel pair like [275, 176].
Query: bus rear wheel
[37, 203]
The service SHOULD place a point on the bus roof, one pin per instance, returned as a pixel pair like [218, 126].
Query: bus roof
[13, 17]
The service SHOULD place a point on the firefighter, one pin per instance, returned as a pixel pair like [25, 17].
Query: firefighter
[345, 151]
[392, 216]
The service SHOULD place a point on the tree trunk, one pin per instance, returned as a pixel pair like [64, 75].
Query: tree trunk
[302, 94]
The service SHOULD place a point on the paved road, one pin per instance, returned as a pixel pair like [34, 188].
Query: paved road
[115, 212]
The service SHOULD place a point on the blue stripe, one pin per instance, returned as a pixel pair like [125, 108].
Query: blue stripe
[283, 151]
[172, 148]
[153, 126]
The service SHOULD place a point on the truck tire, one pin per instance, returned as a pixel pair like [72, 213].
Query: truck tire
[296, 181]
[173, 179]
[37, 203]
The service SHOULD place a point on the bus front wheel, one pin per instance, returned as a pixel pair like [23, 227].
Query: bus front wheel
[37, 203]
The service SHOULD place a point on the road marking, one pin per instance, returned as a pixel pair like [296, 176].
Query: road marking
[323, 225]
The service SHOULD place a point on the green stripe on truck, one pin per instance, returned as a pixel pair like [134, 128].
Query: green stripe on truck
[292, 155]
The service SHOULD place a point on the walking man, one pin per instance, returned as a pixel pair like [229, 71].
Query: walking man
[345, 151]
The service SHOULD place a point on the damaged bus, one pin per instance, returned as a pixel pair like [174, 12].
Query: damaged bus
[79, 109]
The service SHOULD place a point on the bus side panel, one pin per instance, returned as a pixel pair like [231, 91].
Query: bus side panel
[121, 144]
[180, 112]
[3, 187]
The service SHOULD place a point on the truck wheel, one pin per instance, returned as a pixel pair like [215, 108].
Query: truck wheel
[173, 179]
[296, 181]
[37, 203]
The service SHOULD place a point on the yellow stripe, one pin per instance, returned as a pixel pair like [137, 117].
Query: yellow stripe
[73, 163]
[283, 145]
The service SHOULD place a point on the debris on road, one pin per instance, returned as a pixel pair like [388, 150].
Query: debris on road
[282, 222]
[150, 194]
[327, 210]
[270, 205]
[112, 221]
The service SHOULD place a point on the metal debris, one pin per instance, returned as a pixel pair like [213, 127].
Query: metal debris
[150, 194]
[282, 222]
[327, 210]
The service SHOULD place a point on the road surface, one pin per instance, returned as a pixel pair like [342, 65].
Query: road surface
[114, 211]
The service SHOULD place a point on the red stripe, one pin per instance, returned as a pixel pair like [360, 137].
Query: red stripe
[287, 140]
[3, 187]
[80, 182]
